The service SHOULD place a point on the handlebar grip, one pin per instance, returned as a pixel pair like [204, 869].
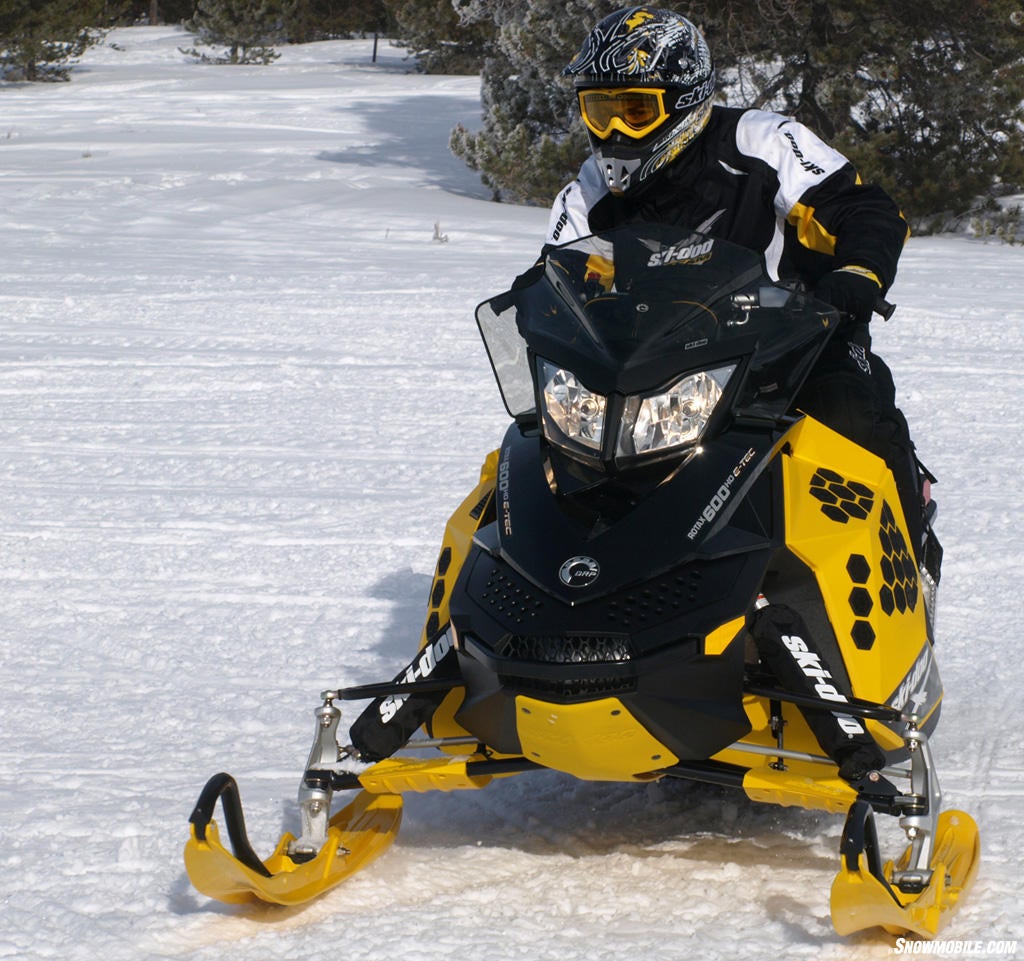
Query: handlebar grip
[883, 307]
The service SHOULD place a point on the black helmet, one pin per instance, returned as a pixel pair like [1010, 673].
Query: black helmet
[645, 81]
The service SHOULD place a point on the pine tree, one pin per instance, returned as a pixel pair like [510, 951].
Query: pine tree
[247, 28]
[159, 11]
[926, 97]
[327, 19]
[531, 142]
[438, 38]
[40, 39]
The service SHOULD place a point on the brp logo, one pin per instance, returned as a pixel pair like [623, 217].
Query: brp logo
[579, 572]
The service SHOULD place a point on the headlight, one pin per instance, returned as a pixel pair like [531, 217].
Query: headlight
[570, 409]
[673, 417]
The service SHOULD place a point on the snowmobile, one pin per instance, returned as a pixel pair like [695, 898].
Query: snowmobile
[665, 571]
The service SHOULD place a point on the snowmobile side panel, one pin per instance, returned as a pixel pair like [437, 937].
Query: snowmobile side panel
[844, 521]
[474, 511]
[862, 896]
[357, 834]
[920, 692]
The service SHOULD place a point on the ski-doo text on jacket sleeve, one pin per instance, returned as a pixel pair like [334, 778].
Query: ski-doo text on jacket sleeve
[763, 181]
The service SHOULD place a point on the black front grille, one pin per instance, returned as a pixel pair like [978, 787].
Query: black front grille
[566, 648]
[569, 686]
[565, 666]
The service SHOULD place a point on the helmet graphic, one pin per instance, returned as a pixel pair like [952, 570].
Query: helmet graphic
[645, 80]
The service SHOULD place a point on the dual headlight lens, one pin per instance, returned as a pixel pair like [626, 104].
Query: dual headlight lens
[575, 417]
[576, 412]
[674, 417]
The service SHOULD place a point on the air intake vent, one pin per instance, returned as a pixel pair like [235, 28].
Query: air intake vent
[565, 649]
[512, 598]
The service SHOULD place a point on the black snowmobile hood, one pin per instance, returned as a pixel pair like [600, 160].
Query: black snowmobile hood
[627, 312]
[579, 549]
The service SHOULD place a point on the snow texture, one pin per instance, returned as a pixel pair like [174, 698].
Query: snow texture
[242, 390]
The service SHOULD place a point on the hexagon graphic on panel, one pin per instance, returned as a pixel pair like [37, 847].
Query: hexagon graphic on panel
[899, 572]
[840, 498]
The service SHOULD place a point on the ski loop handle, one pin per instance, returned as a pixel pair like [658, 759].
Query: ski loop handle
[884, 308]
[860, 836]
[222, 787]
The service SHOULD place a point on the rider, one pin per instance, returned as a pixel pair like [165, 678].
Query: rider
[662, 152]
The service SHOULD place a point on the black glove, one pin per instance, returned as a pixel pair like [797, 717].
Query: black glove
[850, 291]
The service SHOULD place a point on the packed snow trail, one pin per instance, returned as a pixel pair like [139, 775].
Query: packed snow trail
[242, 390]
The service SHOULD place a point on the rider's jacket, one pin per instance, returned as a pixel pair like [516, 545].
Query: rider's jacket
[760, 180]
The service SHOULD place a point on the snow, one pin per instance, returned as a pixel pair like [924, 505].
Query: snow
[242, 390]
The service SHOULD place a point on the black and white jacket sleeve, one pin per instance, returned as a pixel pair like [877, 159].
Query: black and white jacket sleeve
[829, 218]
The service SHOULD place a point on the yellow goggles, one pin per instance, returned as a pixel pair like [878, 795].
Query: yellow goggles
[634, 111]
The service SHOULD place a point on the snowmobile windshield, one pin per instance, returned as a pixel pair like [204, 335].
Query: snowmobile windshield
[624, 343]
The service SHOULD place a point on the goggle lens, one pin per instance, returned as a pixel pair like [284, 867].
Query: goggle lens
[634, 111]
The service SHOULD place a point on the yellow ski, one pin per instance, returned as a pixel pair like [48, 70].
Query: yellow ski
[356, 835]
[865, 897]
